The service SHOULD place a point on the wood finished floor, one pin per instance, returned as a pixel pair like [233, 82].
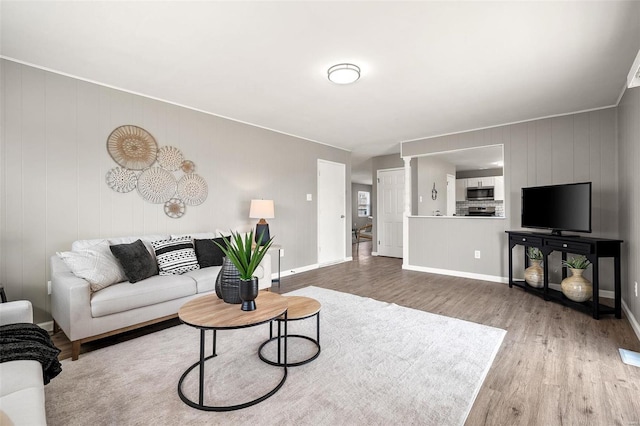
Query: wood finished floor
[556, 366]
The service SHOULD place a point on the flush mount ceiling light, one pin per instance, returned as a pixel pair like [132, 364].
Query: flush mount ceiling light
[344, 73]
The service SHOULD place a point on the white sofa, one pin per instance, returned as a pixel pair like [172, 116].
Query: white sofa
[84, 315]
[21, 382]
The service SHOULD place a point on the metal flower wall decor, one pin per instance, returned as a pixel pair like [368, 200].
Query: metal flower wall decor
[135, 150]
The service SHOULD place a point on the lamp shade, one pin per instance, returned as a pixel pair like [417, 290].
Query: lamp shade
[262, 209]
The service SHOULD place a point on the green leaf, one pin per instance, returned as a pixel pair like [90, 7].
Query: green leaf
[244, 256]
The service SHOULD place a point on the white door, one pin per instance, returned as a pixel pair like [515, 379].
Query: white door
[451, 195]
[390, 212]
[332, 199]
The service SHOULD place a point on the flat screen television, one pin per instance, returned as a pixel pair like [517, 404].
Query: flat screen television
[557, 207]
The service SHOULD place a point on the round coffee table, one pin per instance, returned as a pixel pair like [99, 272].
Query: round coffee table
[300, 308]
[211, 313]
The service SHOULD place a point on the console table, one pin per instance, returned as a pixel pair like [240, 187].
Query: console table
[593, 248]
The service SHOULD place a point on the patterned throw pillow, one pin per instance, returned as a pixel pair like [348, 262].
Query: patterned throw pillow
[95, 264]
[175, 256]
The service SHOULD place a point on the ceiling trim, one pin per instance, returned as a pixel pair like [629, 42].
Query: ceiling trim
[509, 124]
[18, 61]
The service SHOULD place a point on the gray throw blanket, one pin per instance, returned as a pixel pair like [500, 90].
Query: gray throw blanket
[25, 341]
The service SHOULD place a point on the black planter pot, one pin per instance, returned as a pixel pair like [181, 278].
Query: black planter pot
[248, 294]
[228, 283]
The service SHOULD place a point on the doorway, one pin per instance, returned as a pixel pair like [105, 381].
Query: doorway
[390, 212]
[332, 199]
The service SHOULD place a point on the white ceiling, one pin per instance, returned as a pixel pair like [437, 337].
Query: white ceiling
[428, 68]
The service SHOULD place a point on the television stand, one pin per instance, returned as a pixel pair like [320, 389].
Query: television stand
[593, 248]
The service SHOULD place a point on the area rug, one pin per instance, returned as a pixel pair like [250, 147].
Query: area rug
[380, 364]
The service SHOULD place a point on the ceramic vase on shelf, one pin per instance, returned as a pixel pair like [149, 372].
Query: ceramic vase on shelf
[248, 294]
[534, 274]
[576, 287]
[228, 283]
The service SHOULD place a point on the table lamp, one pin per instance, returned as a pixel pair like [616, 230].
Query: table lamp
[262, 209]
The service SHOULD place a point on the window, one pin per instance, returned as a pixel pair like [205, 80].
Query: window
[364, 205]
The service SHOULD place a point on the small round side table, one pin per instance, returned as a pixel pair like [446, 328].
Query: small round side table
[299, 308]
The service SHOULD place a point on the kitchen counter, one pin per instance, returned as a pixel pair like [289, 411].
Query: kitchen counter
[462, 217]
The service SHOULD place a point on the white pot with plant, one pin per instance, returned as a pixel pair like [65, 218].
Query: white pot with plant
[576, 287]
[534, 274]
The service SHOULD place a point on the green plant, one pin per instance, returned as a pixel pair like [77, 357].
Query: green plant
[534, 253]
[580, 262]
[241, 252]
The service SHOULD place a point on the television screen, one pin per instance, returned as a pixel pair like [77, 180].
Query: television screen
[557, 207]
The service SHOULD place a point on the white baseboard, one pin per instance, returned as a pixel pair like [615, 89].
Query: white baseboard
[632, 320]
[295, 271]
[274, 276]
[504, 280]
[374, 253]
[451, 273]
[48, 326]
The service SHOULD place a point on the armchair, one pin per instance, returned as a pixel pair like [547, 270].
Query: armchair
[364, 233]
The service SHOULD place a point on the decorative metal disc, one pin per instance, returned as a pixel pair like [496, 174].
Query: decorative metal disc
[174, 208]
[132, 147]
[170, 158]
[192, 189]
[188, 166]
[156, 185]
[121, 180]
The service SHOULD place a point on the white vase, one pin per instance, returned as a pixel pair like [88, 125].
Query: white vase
[576, 287]
[534, 274]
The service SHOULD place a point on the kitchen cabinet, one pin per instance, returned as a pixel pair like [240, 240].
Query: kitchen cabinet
[479, 182]
[461, 189]
[498, 188]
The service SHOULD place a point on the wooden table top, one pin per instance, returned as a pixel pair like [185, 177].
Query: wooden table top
[301, 307]
[211, 312]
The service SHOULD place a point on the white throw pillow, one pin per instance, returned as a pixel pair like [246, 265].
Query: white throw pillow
[96, 264]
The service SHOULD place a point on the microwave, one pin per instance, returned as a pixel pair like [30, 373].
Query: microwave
[480, 193]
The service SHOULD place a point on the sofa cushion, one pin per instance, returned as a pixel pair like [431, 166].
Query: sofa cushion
[135, 260]
[205, 278]
[208, 252]
[176, 255]
[96, 264]
[156, 289]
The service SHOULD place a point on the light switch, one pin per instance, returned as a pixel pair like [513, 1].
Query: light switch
[309, 197]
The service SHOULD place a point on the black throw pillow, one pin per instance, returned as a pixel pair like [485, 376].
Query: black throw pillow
[136, 260]
[208, 253]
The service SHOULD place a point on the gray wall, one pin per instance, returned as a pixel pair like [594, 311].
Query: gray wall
[572, 148]
[356, 221]
[54, 161]
[433, 170]
[629, 212]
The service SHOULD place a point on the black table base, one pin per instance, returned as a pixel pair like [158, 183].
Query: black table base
[282, 362]
[316, 341]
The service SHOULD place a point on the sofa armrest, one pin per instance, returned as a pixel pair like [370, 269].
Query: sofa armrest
[70, 301]
[15, 312]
